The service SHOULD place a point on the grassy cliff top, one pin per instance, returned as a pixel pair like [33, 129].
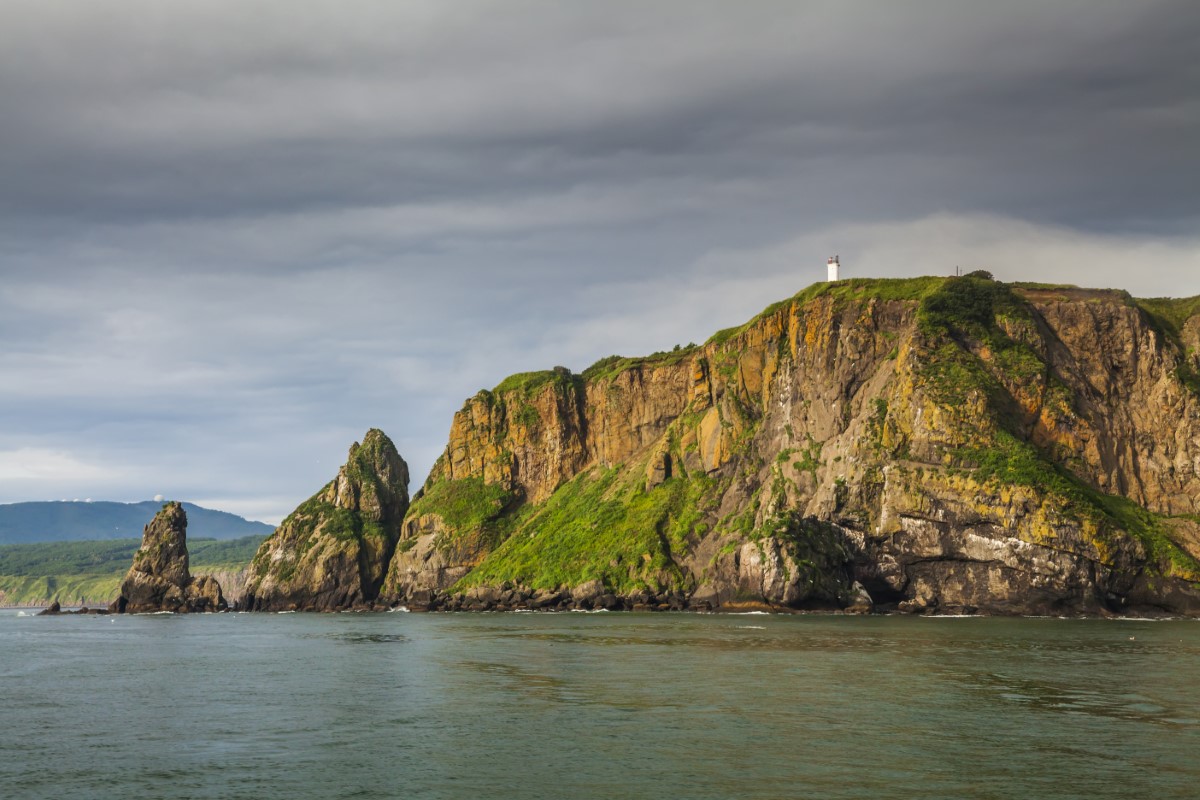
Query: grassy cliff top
[528, 382]
[1169, 314]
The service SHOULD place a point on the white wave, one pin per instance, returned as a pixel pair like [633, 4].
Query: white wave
[400, 609]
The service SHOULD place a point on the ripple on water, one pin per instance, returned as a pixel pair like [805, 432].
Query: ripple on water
[543, 706]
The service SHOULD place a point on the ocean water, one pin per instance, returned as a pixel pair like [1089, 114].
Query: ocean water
[596, 705]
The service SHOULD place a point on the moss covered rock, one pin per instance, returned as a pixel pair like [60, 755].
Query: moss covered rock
[159, 579]
[333, 551]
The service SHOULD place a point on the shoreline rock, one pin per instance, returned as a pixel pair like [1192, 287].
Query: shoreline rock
[159, 579]
[332, 552]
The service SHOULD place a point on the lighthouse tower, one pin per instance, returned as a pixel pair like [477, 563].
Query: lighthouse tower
[834, 268]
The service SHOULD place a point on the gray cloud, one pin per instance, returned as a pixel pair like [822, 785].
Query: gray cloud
[232, 237]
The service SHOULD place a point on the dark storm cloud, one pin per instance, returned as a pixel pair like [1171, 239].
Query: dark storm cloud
[233, 236]
[209, 109]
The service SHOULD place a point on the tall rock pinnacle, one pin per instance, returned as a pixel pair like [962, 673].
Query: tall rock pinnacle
[332, 552]
[159, 579]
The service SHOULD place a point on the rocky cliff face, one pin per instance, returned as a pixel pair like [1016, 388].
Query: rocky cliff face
[159, 579]
[333, 551]
[940, 445]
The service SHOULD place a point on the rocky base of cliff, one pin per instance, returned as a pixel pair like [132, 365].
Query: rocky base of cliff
[147, 594]
[588, 597]
[597, 598]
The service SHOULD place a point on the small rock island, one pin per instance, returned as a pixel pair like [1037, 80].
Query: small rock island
[159, 579]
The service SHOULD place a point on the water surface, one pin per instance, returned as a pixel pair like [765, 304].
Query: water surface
[596, 705]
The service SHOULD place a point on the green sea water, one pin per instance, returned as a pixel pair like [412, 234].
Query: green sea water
[596, 705]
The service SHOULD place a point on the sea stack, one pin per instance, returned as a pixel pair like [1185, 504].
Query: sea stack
[332, 552]
[159, 579]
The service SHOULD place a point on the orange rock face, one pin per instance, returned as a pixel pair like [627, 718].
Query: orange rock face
[977, 446]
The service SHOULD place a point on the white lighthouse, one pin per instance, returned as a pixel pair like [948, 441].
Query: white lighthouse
[834, 266]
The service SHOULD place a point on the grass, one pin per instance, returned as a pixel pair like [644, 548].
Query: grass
[1169, 315]
[467, 504]
[811, 457]
[92, 571]
[962, 318]
[33, 590]
[1011, 461]
[599, 527]
[527, 382]
[854, 290]
[524, 385]
[609, 367]
[115, 555]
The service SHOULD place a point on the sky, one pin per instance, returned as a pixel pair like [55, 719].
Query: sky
[234, 236]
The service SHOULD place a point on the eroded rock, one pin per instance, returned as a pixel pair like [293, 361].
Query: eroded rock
[332, 553]
[159, 579]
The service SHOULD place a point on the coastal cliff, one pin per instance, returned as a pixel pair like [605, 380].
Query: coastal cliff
[333, 551]
[942, 445]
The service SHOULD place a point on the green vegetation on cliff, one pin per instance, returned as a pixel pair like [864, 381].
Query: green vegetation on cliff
[332, 552]
[1170, 315]
[969, 318]
[843, 293]
[600, 526]
[468, 504]
[610, 366]
[529, 382]
[1013, 462]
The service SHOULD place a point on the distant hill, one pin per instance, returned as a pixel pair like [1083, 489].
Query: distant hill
[23, 523]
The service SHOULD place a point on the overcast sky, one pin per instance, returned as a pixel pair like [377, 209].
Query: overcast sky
[234, 236]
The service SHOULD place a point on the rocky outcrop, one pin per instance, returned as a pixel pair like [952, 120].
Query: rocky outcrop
[159, 579]
[232, 582]
[333, 551]
[932, 445]
[55, 609]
